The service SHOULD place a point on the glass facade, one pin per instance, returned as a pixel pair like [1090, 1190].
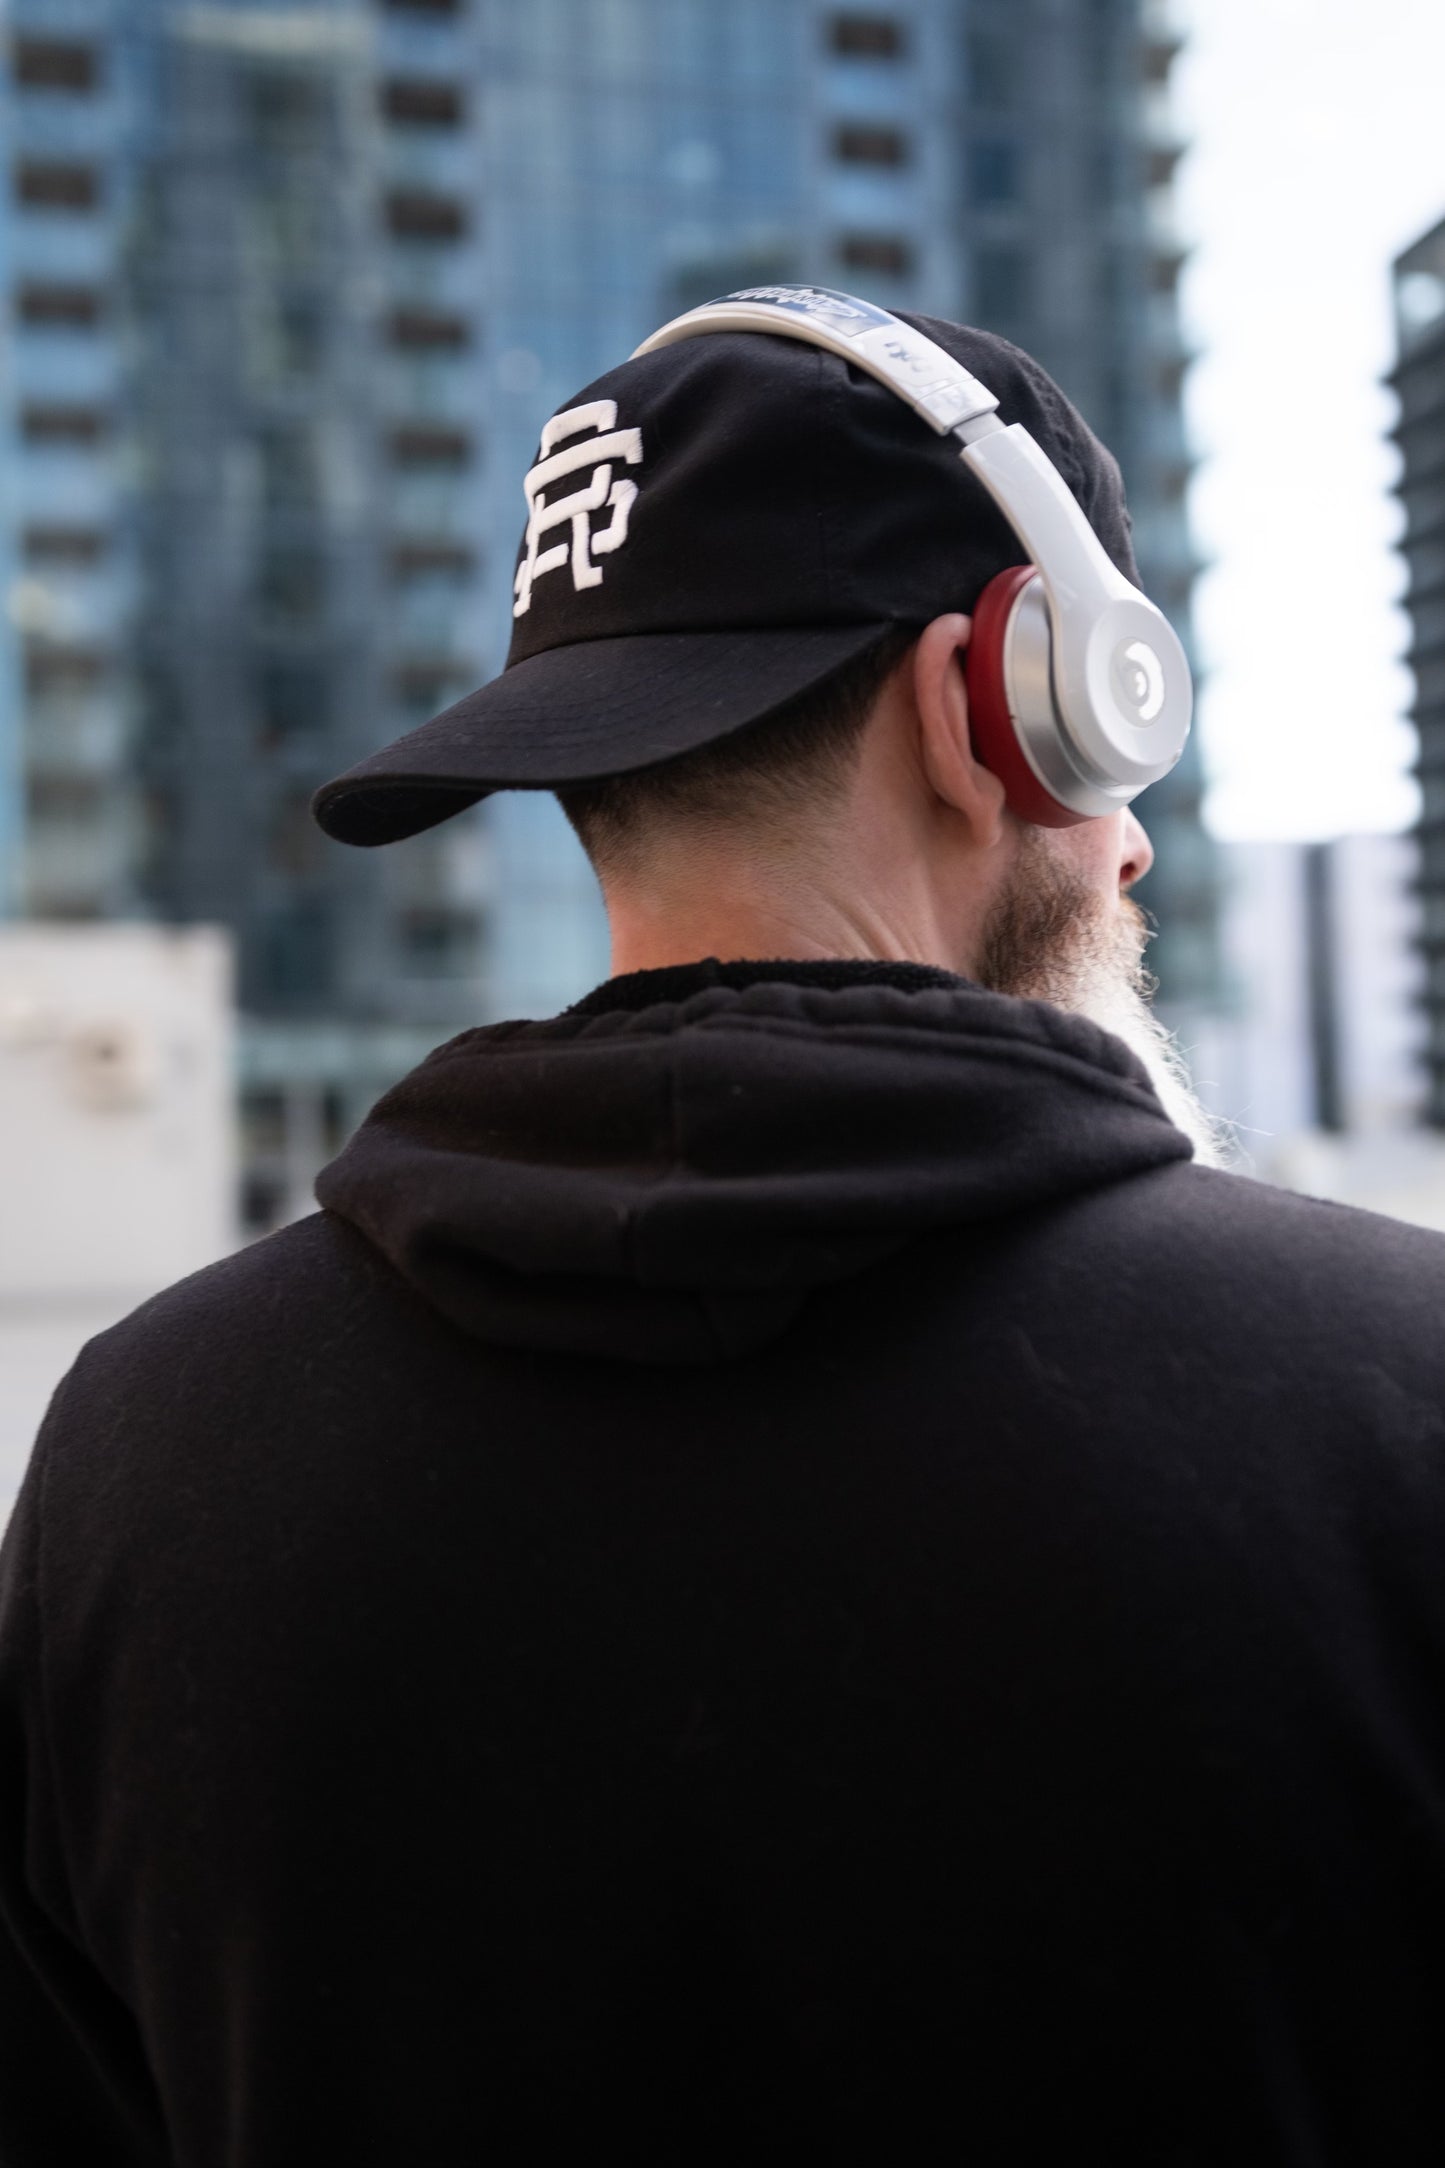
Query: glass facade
[293, 289]
[1419, 381]
[11, 710]
[71, 593]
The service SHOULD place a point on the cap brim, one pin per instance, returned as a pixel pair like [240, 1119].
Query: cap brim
[575, 714]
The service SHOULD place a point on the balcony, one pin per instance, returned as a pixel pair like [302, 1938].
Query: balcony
[412, 103]
[56, 185]
[63, 65]
[414, 214]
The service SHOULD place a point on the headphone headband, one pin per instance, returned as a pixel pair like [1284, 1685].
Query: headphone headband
[938, 388]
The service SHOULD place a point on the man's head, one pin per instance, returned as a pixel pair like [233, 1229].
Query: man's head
[714, 530]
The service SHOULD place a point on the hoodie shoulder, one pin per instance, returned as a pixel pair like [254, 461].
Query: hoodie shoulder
[1237, 1261]
[1228, 1206]
[272, 1289]
[254, 1330]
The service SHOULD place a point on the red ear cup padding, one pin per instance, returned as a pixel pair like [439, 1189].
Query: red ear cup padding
[995, 739]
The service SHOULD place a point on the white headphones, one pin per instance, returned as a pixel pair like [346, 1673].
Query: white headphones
[1079, 690]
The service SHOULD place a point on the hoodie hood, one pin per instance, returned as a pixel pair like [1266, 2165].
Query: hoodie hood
[666, 1172]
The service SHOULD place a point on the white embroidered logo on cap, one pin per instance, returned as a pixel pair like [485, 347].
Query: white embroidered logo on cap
[598, 452]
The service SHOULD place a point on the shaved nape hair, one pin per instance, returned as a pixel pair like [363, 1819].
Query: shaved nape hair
[784, 766]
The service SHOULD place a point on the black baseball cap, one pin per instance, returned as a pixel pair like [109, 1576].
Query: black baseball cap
[713, 528]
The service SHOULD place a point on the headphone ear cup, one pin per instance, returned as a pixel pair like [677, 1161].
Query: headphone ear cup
[992, 703]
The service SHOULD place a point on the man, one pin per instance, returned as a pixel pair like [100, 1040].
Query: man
[784, 1570]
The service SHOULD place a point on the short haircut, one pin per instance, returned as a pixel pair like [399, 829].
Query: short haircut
[780, 766]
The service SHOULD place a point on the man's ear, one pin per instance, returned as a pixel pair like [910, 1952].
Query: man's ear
[956, 775]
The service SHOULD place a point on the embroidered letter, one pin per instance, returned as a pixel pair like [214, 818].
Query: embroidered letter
[598, 451]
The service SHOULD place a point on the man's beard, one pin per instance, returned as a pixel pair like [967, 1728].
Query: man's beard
[1053, 938]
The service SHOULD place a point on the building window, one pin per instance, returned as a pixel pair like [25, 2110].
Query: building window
[294, 844]
[56, 669]
[422, 105]
[994, 60]
[74, 308]
[422, 560]
[429, 330]
[414, 215]
[289, 460]
[292, 696]
[54, 64]
[263, 1118]
[423, 444]
[1172, 479]
[292, 579]
[708, 276]
[288, 110]
[49, 185]
[64, 545]
[860, 143]
[1161, 48]
[1164, 268]
[1160, 161]
[886, 253]
[64, 798]
[295, 950]
[438, 941]
[1002, 285]
[866, 37]
[45, 424]
[1169, 371]
[994, 172]
[300, 334]
[1104, 173]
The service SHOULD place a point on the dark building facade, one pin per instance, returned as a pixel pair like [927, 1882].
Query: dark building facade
[1419, 380]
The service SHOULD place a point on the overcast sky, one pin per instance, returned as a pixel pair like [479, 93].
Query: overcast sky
[1318, 130]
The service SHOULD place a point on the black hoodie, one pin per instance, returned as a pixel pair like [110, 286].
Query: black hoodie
[777, 1574]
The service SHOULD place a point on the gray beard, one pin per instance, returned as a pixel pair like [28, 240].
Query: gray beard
[1051, 938]
[1123, 1009]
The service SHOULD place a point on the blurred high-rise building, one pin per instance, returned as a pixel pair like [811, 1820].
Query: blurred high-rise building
[293, 288]
[11, 776]
[1419, 379]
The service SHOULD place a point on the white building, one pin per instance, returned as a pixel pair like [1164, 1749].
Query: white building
[117, 1171]
[1320, 1068]
[1326, 978]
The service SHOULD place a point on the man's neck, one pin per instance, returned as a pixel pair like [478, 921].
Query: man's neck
[655, 927]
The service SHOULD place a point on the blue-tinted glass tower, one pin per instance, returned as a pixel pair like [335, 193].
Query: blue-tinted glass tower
[71, 588]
